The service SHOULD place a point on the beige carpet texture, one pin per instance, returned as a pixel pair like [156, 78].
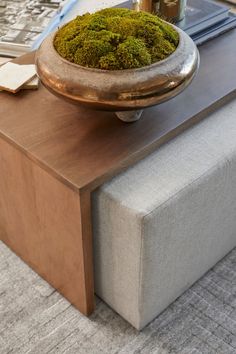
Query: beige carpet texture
[36, 319]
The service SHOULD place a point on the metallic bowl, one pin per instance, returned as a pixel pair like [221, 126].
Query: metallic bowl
[118, 90]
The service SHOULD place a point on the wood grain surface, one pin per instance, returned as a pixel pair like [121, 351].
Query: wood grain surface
[48, 225]
[84, 148]
[54, 154]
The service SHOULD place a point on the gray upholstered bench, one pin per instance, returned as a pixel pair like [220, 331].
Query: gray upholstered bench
[163, 223]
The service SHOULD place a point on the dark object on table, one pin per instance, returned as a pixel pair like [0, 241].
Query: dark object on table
[205, 20]
[202, 14]
[171, 10]
[215, 30]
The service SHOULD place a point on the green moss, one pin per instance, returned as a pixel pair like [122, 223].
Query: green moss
[114, 39]
[132, 53]
[109, 62]
[91, 52]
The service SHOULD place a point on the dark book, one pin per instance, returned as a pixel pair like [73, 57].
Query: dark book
[202, 14]
[215, 30]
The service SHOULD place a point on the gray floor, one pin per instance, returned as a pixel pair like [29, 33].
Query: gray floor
[34, 318]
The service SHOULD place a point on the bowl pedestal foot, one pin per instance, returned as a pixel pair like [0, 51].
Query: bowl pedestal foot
[129, 116]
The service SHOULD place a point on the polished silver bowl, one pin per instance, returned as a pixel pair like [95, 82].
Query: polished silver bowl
[118, 90]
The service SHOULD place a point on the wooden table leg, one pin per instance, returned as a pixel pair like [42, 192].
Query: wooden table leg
[48, 225]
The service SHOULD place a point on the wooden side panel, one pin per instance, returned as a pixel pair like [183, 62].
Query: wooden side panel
[86, 147]
[42, 221]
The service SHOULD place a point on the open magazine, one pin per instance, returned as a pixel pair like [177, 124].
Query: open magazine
[24, 22]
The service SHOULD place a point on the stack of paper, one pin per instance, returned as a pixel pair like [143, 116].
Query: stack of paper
[14, 77]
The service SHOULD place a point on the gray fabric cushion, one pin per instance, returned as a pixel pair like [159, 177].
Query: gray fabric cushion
[158, 226]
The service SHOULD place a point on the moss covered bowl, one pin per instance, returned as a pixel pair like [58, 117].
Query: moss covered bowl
[117, 88]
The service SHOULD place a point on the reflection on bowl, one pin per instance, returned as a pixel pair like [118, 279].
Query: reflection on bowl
[118, 90]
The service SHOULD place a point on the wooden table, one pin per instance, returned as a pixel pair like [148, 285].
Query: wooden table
[53, 155]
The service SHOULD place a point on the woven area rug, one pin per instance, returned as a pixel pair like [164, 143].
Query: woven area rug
[35, 319]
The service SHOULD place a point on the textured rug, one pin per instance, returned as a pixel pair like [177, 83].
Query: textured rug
[35, 319]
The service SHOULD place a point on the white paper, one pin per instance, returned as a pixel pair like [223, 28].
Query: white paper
[14, 76]
[31, 85]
